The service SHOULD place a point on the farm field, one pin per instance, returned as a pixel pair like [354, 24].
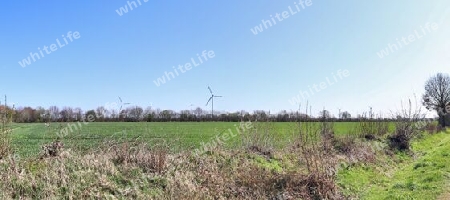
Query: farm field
[368, 172]
[275, 100]
[27, 139]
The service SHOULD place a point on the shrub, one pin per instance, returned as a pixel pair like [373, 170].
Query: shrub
[405, 127]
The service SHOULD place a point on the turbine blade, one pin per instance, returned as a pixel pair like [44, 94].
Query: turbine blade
[120, 100]
[218, 96]
[209, 101]
[210, 90]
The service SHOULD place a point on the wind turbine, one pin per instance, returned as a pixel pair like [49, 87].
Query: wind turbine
[122, 104]
[212, 101]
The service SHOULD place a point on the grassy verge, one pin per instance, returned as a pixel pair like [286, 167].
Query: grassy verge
[421, 176]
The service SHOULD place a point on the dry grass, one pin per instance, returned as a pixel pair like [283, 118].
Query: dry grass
[5, 142]
[316, 152]
[135, 170]
[405, 127]
[372, 129]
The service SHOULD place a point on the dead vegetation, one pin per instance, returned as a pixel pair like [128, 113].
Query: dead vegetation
[5, 131]
[257, 170]
[406, 127]
[52, 150]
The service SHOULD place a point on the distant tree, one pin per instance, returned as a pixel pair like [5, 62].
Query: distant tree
[166, 115]
[345, 115]
[184, 115]
[234, 117]
[136, 113]
[90, 114]
[78, 114]
[101, 113]
[260, 115]
[39, 114]
[147, 110]
[26, 115]
[54, 113]
[437, 96]
[66, 114]
[148, 114]
[283, 116]
[113, 114]
[198, 111]
[325, 114]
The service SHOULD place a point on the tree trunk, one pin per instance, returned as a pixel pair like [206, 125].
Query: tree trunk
[442, 120]
[446, 120]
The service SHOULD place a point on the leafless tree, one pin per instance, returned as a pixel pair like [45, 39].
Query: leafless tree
[101, 113]
[325, 114]
[26, 114]
[135, 112]
[437, 96]
[78, 114]
[39, 114]
[54, 113]
[198, 111]
[67, 114]
[345, 115]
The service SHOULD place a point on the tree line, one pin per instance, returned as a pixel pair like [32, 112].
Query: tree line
[436, 98]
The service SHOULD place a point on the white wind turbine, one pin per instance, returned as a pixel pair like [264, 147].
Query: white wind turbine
[122, 104]
[212, 101]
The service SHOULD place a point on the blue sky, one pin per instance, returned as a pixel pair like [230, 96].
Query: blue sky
[122, 55]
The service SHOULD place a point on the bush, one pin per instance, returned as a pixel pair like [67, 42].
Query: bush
[405, 127]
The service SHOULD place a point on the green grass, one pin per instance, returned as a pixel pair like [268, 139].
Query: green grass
[405, 177]
[27, 139]
[401, 176]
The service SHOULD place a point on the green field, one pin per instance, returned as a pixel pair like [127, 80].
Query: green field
[421, 173]
[27, 139]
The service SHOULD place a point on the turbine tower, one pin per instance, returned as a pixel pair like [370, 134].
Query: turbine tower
[212, 101]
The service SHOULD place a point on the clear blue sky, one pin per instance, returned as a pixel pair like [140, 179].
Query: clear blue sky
[123, 55]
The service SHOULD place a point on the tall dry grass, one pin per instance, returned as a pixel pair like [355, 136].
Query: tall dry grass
[5, 130]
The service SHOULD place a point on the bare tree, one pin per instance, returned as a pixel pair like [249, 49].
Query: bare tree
[78, 114]
[135, 112]
[167, 114]
[325, 114]
[198, 111]
[345, 115]
[39, 114]
[437, 96]
[101, 113]
[67, 114]
[26, 115]
[54, 113]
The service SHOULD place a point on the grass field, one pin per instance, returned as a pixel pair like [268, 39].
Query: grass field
[367, 170]
[28, 138]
